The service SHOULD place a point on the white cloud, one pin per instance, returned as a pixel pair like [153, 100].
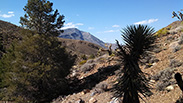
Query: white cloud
[80, 24]
[108, 31]
[90, 28]
[115, 26]
[71, 25]
[146, 21]
[10, 14]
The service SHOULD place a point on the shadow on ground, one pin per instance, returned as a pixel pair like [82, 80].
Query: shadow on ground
[90, 81]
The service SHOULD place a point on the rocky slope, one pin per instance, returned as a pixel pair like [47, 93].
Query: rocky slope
[97, 76]
[74, 33]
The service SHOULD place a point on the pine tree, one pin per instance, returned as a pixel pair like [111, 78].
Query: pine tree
[34, 69]
[41, 18]
[138, 39]
[1, 45]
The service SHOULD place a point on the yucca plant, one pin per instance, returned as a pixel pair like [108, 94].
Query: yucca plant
[138, 39]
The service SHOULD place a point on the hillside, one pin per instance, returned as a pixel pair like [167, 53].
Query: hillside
[80, 47]
[74, 33]
[8, 32]
[11, 32]
[96, 77]
[92, 82]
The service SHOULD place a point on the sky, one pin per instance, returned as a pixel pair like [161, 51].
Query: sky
[102, 18]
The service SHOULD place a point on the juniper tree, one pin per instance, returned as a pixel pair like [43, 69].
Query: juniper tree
[138, 39]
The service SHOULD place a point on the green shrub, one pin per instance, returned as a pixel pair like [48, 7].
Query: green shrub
[182, 30]
[113, 54]
[181, 23]
[83, 62]
[169, 27]
[161, 32]
[84, 57]
[92, 56]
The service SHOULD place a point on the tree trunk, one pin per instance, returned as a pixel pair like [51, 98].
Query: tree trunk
[131, 97]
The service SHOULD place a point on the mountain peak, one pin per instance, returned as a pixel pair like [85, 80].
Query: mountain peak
[75, 33]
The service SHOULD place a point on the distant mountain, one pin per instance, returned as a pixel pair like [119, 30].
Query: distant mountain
[74, 33]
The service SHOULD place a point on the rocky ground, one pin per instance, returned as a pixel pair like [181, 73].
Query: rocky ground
[95, 78]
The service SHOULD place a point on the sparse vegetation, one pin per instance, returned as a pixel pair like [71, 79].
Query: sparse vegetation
[175, 63]
[164, 78]
[161, 32]
[176, 48]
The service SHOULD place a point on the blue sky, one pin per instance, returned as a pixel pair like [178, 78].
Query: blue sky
[102, 18]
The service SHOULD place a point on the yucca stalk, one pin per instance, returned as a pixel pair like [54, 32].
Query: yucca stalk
[138, 39]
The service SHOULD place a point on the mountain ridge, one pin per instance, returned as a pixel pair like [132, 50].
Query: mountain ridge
[74, 33]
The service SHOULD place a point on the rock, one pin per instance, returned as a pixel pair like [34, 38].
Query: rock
[173, 44]
[152, 81]
[101, 58]
[179, 28]
[92, 100]
[175, 63]
[115, 100]
[93, 93]
[169, 88]
[74, 73]
[85, 91]
[87, 67]
[81, 77]
[157, 50]
[173, 32]
[90, 61]
[75, 67]
[180, 100]
[180, 41]
[101, 87]
[80, 101]
[153, 60]
[148, 66]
